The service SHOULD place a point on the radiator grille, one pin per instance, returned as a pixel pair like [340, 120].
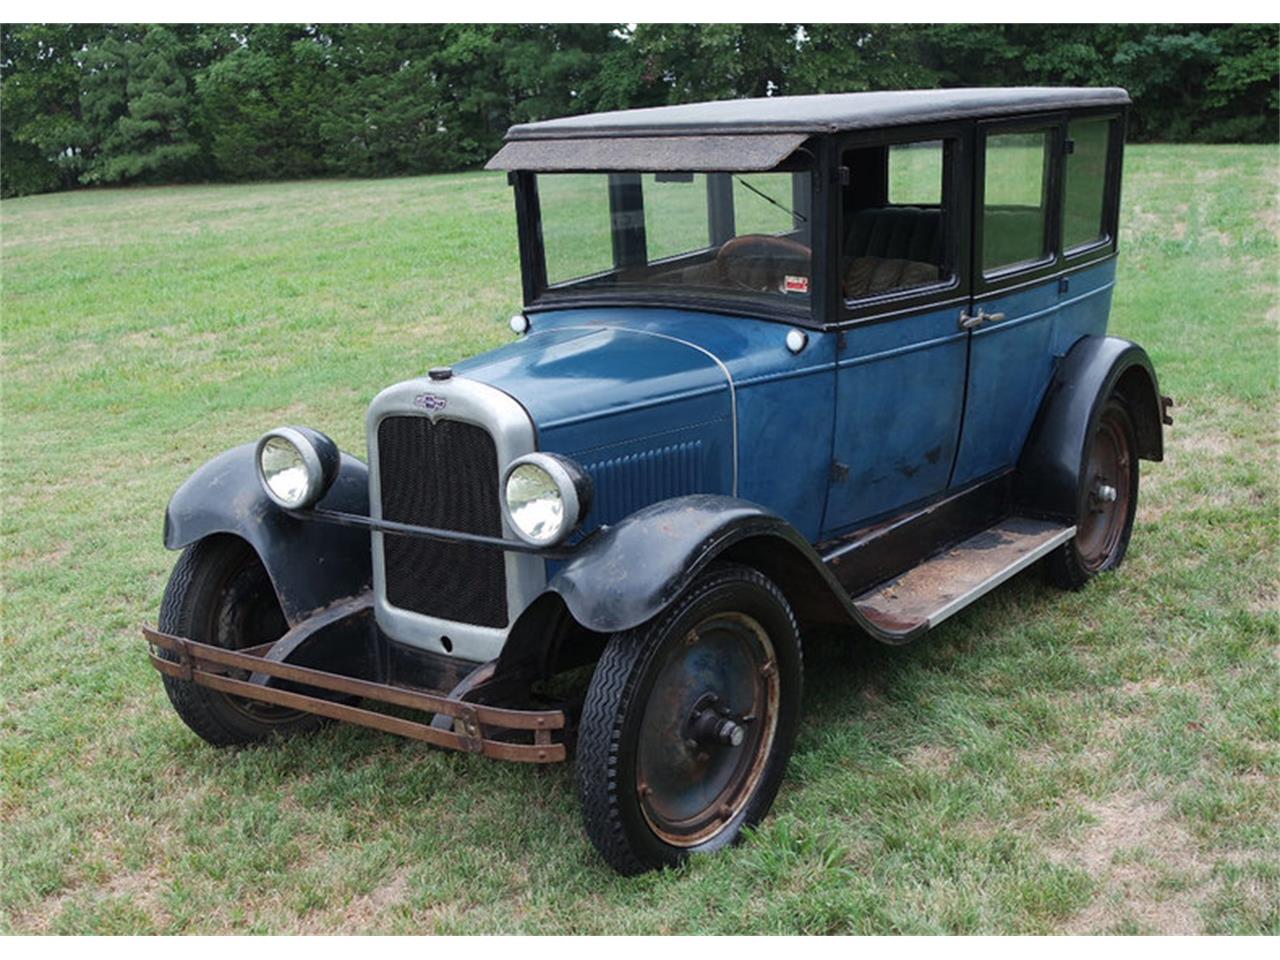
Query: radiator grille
[442, 475]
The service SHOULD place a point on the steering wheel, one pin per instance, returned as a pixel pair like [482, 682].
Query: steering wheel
[763, 245]
[758, 262]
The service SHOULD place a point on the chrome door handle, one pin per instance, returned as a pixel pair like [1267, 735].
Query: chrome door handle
[970, 323]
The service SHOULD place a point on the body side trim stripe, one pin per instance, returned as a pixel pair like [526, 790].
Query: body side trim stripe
[899, 351]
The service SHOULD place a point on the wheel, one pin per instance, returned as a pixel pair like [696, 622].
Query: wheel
[219, 593]
[689, 722]
[1108, 501]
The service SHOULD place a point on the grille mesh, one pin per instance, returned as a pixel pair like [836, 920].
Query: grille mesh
[442, 475]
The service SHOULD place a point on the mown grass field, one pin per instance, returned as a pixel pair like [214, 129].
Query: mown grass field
[1044, 762]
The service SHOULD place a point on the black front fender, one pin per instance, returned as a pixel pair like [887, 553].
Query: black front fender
[627, 574]
[310, 563]
[1053, 458]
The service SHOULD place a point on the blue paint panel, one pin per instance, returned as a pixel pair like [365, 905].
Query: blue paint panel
[1084, 309]
[607, 384]
[900, 393]
[1011, 363]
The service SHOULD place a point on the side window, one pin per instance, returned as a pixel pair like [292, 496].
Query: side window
[1085, 185]
[915, 173]
[895, 211]
[1015, 198]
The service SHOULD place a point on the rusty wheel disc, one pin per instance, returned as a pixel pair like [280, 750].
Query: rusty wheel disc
[1108, 485]
[248, 614]
[708, 727]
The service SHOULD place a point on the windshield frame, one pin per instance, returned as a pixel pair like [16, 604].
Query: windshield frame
[539, 295]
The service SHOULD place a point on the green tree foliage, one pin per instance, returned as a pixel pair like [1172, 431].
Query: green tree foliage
[150, 103]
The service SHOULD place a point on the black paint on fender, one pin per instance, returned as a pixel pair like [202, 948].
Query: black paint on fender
[311, 564]
[1048, 475]
[624, 575]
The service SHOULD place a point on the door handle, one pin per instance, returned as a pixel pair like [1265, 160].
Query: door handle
[971, 323]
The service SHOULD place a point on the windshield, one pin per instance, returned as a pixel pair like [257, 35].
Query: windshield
[738, 235]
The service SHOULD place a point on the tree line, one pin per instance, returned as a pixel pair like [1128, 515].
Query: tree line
[116, 104]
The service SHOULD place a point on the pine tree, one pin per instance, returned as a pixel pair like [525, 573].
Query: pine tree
[152, 140]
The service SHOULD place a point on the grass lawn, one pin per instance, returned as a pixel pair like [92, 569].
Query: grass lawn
[1044, 762]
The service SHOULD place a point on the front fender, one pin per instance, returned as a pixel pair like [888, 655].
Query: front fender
[628, 573]
[1053, 457]
[310, 563]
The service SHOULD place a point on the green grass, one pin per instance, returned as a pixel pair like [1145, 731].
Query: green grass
[1102, 761]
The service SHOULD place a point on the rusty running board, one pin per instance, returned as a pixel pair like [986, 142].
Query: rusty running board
[208, 666]
[943, 585]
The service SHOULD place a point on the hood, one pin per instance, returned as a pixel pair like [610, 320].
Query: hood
[566, 375]
[647, 415]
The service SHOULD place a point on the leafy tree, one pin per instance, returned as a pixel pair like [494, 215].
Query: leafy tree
[40, 121]
[264, 103]
[125, 103]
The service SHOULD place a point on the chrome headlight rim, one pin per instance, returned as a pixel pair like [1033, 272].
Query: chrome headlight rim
[319, 457]
[573, 485]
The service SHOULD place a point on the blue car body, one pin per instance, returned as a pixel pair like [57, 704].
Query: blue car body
[874, 341]
[837, 360]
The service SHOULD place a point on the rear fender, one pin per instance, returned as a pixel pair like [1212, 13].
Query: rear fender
[311, 564]
[1053, 458]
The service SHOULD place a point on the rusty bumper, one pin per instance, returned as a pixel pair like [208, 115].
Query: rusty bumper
[524, 736]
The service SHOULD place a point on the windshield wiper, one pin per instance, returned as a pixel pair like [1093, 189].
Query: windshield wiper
[799, 216]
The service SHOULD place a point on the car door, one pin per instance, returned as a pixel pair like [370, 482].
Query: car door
[1017, 292]
[901, 355]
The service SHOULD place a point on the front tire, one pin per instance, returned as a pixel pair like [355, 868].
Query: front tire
[219, 593]
[1107, 502]
[689, 722]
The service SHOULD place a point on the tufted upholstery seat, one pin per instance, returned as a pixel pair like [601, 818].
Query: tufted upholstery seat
[896, 233]
[891, 248]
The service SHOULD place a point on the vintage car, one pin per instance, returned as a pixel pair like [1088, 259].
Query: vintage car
[829, 360]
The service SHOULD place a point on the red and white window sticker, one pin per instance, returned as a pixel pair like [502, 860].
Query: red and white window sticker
[794, 284]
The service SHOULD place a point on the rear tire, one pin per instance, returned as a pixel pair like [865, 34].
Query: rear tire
[219, 593]
[689, 723]
[1107, 502]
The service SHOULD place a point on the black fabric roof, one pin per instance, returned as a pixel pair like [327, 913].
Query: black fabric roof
[822, 113]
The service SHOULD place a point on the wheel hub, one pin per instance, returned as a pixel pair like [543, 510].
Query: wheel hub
[711, 724]
[1101, 495]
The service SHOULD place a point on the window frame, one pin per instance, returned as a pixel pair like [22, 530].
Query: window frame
[539, 295]
[1060, 263]
[957, 139]
[1048, 262]
[1108, 243]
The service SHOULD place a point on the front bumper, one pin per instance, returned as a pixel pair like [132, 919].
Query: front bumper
[523, 736]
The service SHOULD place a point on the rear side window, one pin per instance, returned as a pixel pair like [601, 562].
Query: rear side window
[1015, 198]
[1086, 182]
[915, 173]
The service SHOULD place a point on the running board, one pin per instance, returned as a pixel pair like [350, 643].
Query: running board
[927, 594]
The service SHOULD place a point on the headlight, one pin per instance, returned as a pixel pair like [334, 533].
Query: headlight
[296, 466]
[544, 497]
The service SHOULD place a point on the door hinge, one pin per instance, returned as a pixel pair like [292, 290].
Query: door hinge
[839, 472]
[1069, 147]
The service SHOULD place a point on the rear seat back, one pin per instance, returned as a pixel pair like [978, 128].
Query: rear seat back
[896, 233]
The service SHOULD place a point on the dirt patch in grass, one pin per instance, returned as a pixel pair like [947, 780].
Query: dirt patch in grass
[1146, 866]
